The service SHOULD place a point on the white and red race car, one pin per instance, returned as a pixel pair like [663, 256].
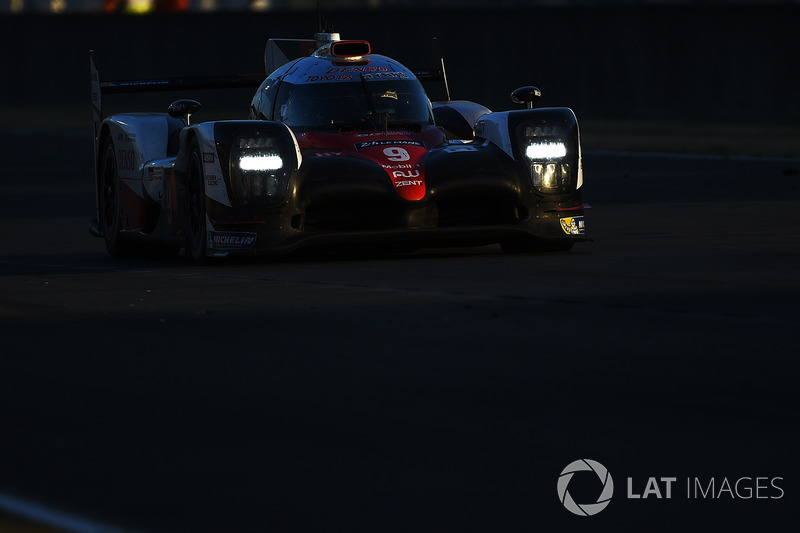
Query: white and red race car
[341, 147]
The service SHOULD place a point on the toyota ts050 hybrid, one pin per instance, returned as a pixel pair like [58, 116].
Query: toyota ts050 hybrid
[341, 147]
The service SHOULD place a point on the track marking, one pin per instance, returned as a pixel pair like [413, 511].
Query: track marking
[44, 515]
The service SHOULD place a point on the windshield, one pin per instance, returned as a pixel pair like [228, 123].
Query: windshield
[362, 104]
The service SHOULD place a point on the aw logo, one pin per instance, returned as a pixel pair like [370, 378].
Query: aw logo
[585, 509]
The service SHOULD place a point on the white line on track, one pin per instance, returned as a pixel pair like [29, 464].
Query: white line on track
[54, 518]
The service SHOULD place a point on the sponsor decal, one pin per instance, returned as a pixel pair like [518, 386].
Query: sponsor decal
[573, 225]
[356, 69]
[141, 83]
[212, 180]
[155, 174]
[403, 142]
[401, 159]
[231, 240]
[383, 134]
[345, 74]
[209, 157]
[385, 76]
[329, 77]
[126, 159]
[405, 174]
[408, 183]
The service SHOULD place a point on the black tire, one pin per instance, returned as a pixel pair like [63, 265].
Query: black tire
[110, 209]
[196, 234]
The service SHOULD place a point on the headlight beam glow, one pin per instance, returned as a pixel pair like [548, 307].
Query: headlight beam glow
[539, 151]
[257, 163]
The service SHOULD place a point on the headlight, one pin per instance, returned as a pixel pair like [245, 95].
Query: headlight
[546, 154]
[546, 150]
[257, 171]
[260, 163]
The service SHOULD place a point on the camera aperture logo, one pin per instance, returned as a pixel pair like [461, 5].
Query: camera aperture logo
[585, 509]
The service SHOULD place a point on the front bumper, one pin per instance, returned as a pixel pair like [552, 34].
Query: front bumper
[473, 198]
[278, 236]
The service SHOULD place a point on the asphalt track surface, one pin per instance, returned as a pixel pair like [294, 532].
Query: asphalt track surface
[440, 391]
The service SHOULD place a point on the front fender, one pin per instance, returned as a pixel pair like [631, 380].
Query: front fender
[216, 143]
[203, 135]
[508, 130]
[139, 138]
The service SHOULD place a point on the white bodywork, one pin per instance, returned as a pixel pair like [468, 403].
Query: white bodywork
[140, 146]
[214, 182]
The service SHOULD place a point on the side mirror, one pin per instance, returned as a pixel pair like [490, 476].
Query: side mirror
[526, 95]
[183, 108]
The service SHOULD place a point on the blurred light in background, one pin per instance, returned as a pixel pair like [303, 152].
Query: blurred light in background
[151, 6]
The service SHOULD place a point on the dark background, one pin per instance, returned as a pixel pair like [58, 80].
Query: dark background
[441, 391]
[728, 63]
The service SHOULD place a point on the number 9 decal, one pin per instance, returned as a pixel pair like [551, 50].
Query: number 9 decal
[395, 153]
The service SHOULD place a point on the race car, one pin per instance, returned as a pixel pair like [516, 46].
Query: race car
[342, 147]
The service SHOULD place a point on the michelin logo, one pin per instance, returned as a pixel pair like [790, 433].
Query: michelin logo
[573, 225]
[231, 240]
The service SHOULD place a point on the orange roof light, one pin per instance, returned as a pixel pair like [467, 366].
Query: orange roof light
[350, 49]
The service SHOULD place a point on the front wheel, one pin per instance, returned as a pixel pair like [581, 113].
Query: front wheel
[110, 203]
[197, 239]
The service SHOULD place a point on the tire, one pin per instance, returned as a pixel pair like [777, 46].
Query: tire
[196, 234]
[111, 214]
[110, 208]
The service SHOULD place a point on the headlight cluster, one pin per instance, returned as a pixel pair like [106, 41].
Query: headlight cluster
[546, 152]
[258, 173]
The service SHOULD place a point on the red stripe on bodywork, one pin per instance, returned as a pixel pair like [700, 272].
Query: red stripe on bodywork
[401, 154]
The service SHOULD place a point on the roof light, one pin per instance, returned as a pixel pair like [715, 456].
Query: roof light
[350, 49]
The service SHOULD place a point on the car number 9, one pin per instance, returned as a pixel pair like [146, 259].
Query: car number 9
[395, 153]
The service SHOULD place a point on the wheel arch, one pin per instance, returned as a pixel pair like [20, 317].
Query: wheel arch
[103, 134]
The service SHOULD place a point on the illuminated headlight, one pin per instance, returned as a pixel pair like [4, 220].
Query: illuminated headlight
[549, 175]
[546, 155]
[260, 163]
[258, 174]
[546, 150]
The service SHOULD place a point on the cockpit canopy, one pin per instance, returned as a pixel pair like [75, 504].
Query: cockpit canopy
[317, 93]
[362, 105]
